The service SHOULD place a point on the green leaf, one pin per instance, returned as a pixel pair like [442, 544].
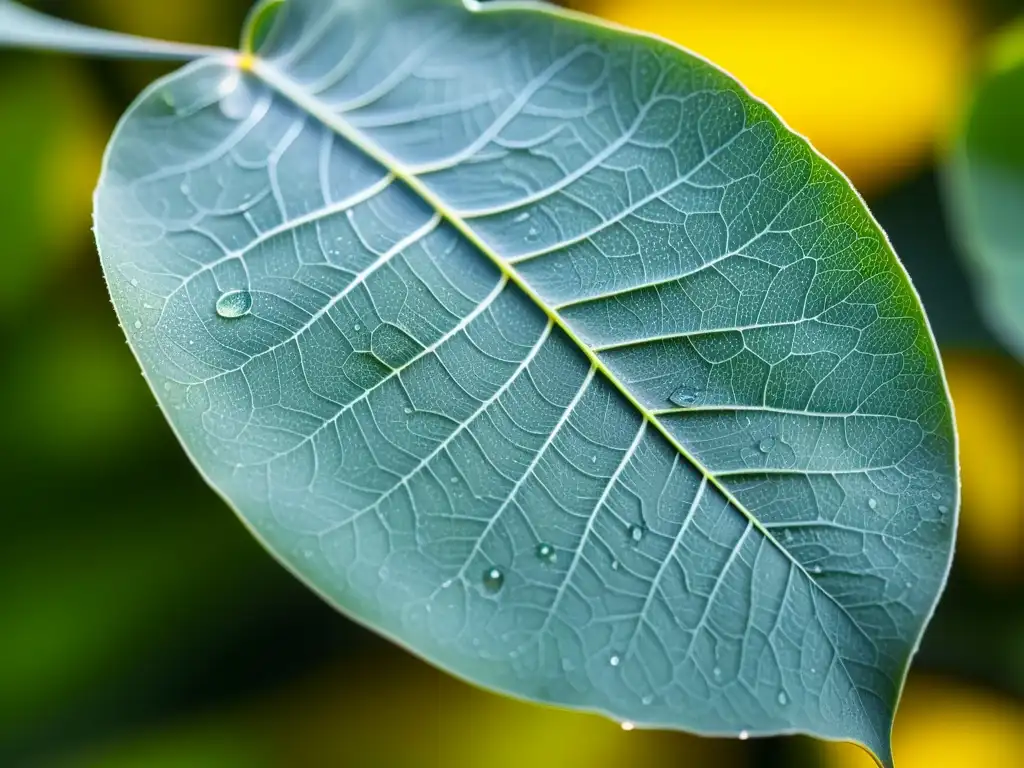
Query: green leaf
[986, 188]
[21, 27]
[548, 352]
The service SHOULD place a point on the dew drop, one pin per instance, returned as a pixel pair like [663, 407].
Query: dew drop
[234, 304]
[236, 100]
[908, 584]
[168, 386]
[138, 325]
[494, 580]
[407, 411]
[816, 569]
[717, 672]
[647, 701]
[167, 97]
[615, 565]
[533, 233]
[357, 327]
[135, 283]
[685, 396]
[766, 445]
[744, 735]
[636, 533]
[782, 698]
[614, 660]
[454, 480]
[593, 459]
[936, 495]
[524, 216]
[185, 188]
[567, 665]
[627, 726]
[943, 509]
[873, 503]
[546, 553]
[447, 583]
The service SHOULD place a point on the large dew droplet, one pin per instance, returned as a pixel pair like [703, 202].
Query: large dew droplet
[685, 397]
[546, 553]
[234, 304]
[873, 503]
[614, 660]
[766, 445]
[493, 580]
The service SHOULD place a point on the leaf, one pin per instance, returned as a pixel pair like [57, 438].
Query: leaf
[21, 27]
[548, 352]
[986, 189]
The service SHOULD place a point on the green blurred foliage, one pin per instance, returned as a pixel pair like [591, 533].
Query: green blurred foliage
[144, 628]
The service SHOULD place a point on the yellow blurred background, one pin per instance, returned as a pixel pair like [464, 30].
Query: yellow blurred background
[144, 628]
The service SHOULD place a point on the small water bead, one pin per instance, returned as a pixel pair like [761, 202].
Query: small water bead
[782, 698]
[135, 282]
[766, 445]
[744, 735]
[521, 218]
[614, 660]
[234, 304]
[685, 396]
[546, 553]
[647, 701]
[138, 325]
[943, 509]
[236, 100]
[636, 533]
[493, 580]
[454, 480]
[533, 233]
[717, 673]
[627, 726]
[615, 565]
[407, 411]
[816, 569]
[873, 503]
[936, 495]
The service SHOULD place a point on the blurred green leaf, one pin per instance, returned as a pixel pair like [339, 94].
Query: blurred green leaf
[986, 188]
[552, 373]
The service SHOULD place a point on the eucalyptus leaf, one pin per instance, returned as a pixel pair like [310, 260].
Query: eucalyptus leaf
[547, 351]
[986, 188]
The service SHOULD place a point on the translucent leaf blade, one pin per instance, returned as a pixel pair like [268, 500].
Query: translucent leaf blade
[561, 361]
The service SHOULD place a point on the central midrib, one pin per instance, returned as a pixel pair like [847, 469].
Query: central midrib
[294, 93]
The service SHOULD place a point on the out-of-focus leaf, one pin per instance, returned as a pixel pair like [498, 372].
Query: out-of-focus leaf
[22, 27]
[986, 188]
[85, 601]
[50, 151]
[947, 725]
[870, 83]
[988, 392]
[547, 351]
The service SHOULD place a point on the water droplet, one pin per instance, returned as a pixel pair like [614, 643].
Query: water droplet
[546, 553]
[408, 411]
[533, 233]
[138, 325]
[943, 509]
[185, 189]
[782, 698]
[234, 304]
[494, 580]
[447, 583]
[567, 665]
[167, 97]
[685, 396]
[168, 386]
[647, 701]
[135, 283]
[357, 327]
[636, 533]
[787, 535]
[593, 459]
[873, 503]
[521, 218]
[614, 660]
[454, 480]
[627, 726]
[816, 569]
[615, 565]
[717, 672]
[908, 584]
[308, 554]
[766, 445]
[936, 495]
[744, 735]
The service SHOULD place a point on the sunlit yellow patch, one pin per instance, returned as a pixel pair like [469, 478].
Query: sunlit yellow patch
[872, 84]
[988, 393]
[944, 725]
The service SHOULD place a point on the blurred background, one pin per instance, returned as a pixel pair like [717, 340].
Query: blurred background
[142, 627]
